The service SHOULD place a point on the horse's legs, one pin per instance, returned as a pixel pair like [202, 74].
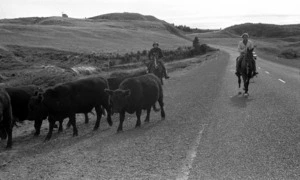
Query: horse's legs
[246, 86]
[245, 83]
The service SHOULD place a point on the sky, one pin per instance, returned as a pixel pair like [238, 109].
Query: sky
[204, 14]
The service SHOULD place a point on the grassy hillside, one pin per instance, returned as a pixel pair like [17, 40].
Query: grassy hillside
[97, 34]
[265, 30]
[48, 50]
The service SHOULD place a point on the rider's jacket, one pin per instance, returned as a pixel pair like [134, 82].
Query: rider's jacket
[242, 47]
[155, 51]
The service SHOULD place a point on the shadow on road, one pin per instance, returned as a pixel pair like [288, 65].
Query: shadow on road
[240, 101]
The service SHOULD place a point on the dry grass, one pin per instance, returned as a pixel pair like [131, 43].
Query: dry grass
[86, 35]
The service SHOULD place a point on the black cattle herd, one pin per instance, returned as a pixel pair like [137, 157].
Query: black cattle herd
[65, 100]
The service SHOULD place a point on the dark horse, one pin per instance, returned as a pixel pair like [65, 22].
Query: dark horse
[246, 70]
[156, 68]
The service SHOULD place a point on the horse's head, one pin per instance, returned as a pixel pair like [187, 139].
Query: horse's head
[249, 54]
[155, 56]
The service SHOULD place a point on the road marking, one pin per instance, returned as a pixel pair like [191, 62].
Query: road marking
[267, 72]
[281, 80]
[191, 154]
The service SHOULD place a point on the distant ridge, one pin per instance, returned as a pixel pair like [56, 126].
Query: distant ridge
[125, 16]
[265, 30]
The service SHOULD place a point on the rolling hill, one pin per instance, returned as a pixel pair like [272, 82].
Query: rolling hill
[265, 30]
[49, 50]
[116, 32]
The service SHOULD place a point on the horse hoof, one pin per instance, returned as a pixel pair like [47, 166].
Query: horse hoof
[246, 94]
[239, 93]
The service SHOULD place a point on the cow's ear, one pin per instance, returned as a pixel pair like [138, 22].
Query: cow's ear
[109, 92]
[36, 93]
[40, 98]
[127, 93]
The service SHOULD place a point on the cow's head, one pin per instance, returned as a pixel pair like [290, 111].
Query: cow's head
[36, 108]
[118, 98]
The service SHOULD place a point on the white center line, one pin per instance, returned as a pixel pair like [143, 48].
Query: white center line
[281, 80]
[267, 72]
[191, 154]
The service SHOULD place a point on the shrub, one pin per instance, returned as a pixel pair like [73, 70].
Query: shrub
[289, 54]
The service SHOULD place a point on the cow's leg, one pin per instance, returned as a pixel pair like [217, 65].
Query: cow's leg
[239, 80]
[9, 137]
[138, 116]
[122, 117]
[37, 126]
[161, 104]
[51, 126]
[148, 114]
[99, 115]
[69, 124]
[108, 111]
[86, 120]
[8, 126]
[3, 133]
[72, 118]
[60, 128]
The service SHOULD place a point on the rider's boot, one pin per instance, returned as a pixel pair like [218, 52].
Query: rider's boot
[166, 74]
[255, 72]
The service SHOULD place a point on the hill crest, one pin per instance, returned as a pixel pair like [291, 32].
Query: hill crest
[125, 16]
[265, 30]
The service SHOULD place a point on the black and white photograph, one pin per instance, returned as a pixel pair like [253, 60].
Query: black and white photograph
[149, 90]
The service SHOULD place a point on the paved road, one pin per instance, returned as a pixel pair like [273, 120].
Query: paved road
[210, 132]
[256, 137]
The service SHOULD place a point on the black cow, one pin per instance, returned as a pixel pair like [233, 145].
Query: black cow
[134, 95]
[6, 120]
[20, 97]
[114, 83]
[39, 112]
[67, 99]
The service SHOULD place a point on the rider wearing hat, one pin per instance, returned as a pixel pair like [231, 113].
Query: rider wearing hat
[242, 48]
[158, 52]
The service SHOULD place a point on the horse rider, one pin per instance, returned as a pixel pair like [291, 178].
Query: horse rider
[156, 51]
[242, 48]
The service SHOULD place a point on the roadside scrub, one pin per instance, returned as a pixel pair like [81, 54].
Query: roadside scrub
[46, 67]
